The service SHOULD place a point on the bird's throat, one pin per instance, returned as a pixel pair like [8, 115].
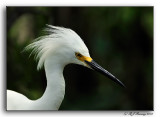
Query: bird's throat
[55, 89]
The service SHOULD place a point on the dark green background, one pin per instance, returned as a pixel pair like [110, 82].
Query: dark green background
[119, 38]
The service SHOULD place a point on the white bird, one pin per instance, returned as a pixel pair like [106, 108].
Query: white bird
[54, 51]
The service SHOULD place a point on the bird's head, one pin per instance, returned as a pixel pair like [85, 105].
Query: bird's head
[67, 47]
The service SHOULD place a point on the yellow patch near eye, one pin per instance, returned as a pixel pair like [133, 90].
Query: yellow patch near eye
[83, 58]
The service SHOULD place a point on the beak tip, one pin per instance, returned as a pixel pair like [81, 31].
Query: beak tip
[123, 85]
[120, 83]
[93, 65]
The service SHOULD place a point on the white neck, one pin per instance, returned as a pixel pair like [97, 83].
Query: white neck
[55, 90]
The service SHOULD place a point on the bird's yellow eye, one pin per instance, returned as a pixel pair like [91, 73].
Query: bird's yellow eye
[78, 55]
[82, 58]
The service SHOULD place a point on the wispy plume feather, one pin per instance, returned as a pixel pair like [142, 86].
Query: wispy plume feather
[55, 37]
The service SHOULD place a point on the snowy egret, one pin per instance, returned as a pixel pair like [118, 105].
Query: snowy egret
[54, 51]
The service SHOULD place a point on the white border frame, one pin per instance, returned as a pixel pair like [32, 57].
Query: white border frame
[154, 3]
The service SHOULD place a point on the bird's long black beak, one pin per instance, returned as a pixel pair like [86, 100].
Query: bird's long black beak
[98, 68]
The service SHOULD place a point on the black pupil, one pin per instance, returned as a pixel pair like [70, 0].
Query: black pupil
[79, 55]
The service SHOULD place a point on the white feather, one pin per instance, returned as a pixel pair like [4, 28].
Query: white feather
[53, 51]
[58, 37]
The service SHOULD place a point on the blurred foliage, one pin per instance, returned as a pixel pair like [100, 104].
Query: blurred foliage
[119, 38]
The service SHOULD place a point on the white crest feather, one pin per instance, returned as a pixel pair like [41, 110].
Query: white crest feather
[57, 36]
